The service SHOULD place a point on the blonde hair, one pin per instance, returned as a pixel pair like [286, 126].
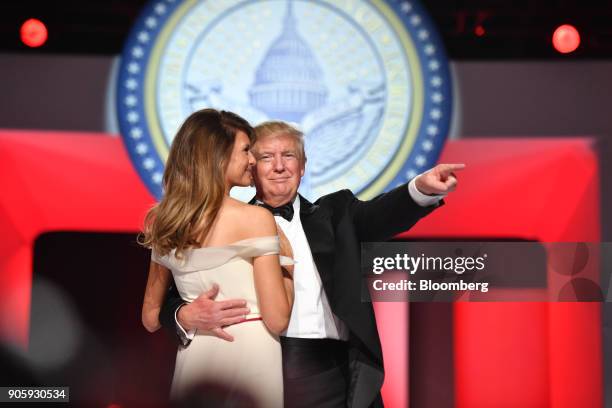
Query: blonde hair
[194, 181]
[275, 128]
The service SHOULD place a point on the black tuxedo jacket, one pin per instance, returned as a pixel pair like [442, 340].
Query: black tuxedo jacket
[335, 225]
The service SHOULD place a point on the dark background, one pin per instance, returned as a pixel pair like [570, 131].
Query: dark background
[84, 305]
[515, 29]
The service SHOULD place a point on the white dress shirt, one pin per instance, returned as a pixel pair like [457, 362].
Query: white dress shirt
[311, 316]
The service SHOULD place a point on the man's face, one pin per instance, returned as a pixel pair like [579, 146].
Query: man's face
[278, 169]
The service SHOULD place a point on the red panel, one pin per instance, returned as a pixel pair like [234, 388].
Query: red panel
[501, 357]
[392, 322]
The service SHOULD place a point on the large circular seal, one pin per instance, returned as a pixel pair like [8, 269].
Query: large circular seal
[367, 81]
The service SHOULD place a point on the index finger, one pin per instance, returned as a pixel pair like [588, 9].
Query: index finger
[231, 303]
[448, 168]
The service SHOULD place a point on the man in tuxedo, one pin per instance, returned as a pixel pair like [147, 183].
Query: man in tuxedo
[331, 350]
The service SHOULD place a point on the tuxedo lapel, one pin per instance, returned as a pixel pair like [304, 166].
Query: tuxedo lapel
[316, 222]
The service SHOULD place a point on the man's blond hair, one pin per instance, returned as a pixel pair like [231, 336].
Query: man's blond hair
[276, 128]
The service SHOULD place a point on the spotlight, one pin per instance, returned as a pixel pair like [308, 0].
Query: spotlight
[566, 38]
[33, 33]
[479, 21]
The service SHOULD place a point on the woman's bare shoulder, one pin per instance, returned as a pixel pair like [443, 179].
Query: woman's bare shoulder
[249, 220]
[258, 217]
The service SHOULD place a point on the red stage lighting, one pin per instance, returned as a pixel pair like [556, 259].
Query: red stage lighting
[33, 33]
[566, 38]
[479, 30]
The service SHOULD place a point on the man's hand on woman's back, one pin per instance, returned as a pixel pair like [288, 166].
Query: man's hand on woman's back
[207, 314]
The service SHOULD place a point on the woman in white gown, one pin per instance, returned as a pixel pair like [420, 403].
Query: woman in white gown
[203, 237]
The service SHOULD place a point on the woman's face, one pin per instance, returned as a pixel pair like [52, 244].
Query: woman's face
[239, 167]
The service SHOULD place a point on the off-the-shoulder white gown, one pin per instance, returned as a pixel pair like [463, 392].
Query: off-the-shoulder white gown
[252, 362]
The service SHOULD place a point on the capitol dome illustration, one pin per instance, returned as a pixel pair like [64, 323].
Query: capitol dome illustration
[288, 82]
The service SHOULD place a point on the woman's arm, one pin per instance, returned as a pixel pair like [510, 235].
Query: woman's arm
[157, 285]
[275, 300]
[287, 251]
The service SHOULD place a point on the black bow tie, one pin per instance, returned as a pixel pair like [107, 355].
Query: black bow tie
[285, 210]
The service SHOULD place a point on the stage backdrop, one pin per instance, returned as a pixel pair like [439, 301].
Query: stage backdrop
[517, 354]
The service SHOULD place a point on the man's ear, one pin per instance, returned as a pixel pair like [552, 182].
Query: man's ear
[303, 169]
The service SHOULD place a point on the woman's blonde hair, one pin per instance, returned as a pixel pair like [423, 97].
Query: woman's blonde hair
[194, 181]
